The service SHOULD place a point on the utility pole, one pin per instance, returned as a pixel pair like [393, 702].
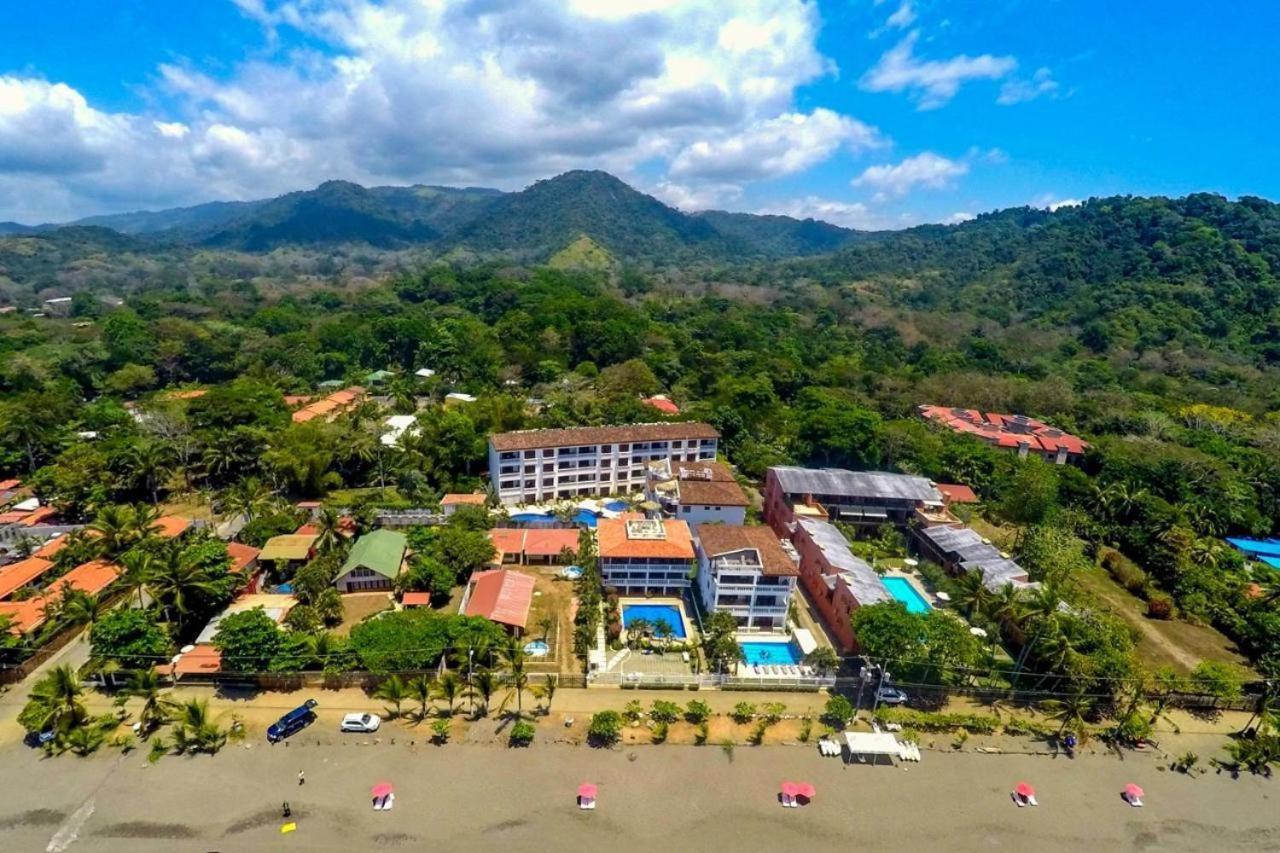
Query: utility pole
[471, 653]
[864, 678]
[884, 677]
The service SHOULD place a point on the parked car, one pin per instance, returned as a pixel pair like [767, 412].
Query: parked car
[889, 695]
[294, 721]
[361, 722]
[34, 739]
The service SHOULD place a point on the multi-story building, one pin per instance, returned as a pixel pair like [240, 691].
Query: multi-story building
[531, 466]
[697, 492]
[838, 582]
[855, 497]
[645, 555]
[1027, 436]
[747, 572]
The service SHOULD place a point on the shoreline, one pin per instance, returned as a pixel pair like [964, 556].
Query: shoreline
[471, 796]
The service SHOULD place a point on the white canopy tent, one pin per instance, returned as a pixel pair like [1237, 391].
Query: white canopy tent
[870, 747]
[804, 639]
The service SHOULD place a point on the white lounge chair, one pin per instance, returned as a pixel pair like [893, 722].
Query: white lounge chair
[586, 803]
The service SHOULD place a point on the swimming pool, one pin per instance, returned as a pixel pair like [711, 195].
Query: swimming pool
[617, 506]
[572, 572]
[651, 613]
[536, 649]
[775, 654]
[582, 516]
[904, 591]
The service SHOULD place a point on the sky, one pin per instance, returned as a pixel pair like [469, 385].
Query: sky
[865, 113]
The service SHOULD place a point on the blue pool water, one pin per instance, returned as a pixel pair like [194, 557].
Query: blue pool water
[536, 649]
[582, 516]
[617, 506]
[901, 589]
[771, 654]
[651, 613]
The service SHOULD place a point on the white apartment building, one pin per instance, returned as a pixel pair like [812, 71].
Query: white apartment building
[649, 555]
[532, 466]
[746, 571]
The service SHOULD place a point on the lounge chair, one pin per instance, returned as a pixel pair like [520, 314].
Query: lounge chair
[586, 803]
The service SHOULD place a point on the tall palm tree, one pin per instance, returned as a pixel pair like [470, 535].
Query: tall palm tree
[547, 690]
[422, 689]
[392, 690]
[517, 677]
[149, 462]
[78, 608]
[195, 730]
[973, 593]
[1038, 608]
[114, 528]
[144, 517]
[56, 702]
[146, 684]
[320, 645]
[329, 526]
[249, 497]
[484, 684]
[136, 572]
[1073, 710]
[175, 580]
[449, 687]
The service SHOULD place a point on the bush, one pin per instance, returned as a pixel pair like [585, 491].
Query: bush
[660, 732]
[440, 731]
[633, 711]
[522, 733]
[1218, 679]
[697, 711]
[1125, 572]
[664, 712]
[1160, 606]
[743, 712]
[925, 721]
[838, 713]
[700, 735]
[606, 728]
[806, 730]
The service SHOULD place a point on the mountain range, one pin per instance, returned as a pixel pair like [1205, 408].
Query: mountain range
[532, 224]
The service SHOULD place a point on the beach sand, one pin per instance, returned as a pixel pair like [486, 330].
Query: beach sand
[464, 797]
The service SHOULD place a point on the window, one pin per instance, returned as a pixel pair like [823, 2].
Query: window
[509, 484]
[548, 481]
[530, 484]
[606, 448]
[529, 454]
[623, 447]
[686, 509]
[548, 467]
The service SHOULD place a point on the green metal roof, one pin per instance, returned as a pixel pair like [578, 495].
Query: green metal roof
[380, 551]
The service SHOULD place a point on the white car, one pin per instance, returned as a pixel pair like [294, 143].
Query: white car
[888, 695]
[361, 722]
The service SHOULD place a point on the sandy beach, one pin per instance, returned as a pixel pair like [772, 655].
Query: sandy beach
[473, 797]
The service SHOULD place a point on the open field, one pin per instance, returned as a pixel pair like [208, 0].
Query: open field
[464, 797]
[358, 606]
[1161, 642]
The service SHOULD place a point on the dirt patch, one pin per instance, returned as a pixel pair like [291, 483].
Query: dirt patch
[358, 606]
[389, 839]
[265, 817]
[34, 817]
[146, 829]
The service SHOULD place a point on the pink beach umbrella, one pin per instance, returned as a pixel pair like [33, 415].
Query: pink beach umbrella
[790, 789]
[381, 790]
[804, 789]
[587, 791]
[1132, 792]
[1025, 790]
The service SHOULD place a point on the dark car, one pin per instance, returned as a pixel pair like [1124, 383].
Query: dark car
[294, 721]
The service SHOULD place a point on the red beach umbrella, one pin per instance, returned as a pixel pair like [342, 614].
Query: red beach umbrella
[1133, 792]
[805, 790]
[1024, 789]
[790, 789]
[382, 789]
[587, 791]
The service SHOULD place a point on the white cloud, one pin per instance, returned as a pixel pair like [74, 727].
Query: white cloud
[1051, 202]
[790, 143]
[848, 214]
[703, 196]
[958, 217]
[1066, 202]
[931, 82]
[1019, 91]
[904, 17]
[446, 91]
[923, 170]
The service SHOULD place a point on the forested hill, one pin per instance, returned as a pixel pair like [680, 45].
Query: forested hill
[1123, 272]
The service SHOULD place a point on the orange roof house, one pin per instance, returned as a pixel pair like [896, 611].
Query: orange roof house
[954, 493]
[242, 556]
[622, 539]
[662, 403]
[501, 596]
[329, 407]
[416, 599]
[17, 575]
[172, 526]
[549, 542]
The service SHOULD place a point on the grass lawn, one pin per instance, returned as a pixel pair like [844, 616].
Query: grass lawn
[1161, 642]
[552, 597]
[358, 606]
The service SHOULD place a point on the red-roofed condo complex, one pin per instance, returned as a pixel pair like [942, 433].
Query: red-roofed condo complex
[1012, 432]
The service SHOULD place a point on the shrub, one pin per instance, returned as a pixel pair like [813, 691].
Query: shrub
[1125, 571]
[660, 732]
[633, 711]
[978, 724]
[606, 728]
[440, 730]
[772, 712]
[806, 730]
[697, 711]
[757, 733]
[522, 733]
[1159, 607]
[664, 712]
[700, 734]
[743, 712]
[1218, 679]
[838, 713]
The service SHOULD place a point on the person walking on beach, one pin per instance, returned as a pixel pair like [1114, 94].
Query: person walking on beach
[302, 778]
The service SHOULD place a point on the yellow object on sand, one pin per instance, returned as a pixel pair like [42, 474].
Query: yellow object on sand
[288, 827]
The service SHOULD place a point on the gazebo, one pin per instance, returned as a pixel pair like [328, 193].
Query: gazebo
[870, 747]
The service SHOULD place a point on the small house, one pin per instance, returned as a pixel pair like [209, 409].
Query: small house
[374, 563]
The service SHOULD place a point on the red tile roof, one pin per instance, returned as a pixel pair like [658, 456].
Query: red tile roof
[91, 578]
[549, 543]
[954, 493]
[24, 616]
[1009, 431]
[50, 549]
[39, 516]
[501, 596]
[241, 555]
[416, 599]
[574, 436]
[15, 576]
[335, 403]
[712, 493]
[506, 540]
[6, 485]
[203, 659]
[172, 526]
[662, 404]
[717, 539]
[469, 500]
[615, 542]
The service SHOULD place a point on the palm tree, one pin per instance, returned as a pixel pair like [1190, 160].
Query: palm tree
[136, 572]
[320, 645]
[78, 608]
[1040, 608]
[1073, 710]
[114, 526]
[144, 525]
[516, 678]
[663, 631]
[392, 690]
[195, 730]
[145, 684]
[449, 687]
[56, 702]
[422, 689]
[149, 461]
[248, 497]
[484, 684]
[329, 530]
[175, 580]
[636, 630]
[973, 593]
[547, 690]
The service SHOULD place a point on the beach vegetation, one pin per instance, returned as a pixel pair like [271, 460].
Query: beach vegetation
[546, 691]
[394, 691]
[697, 711]
[700, 733]
[605, 728]
[423, 689]
[806, 730]
[719, 642]
[838, 712]
[823, 660]
[633, 712]
[449, 686]
[743, 712]
[660, 731]
[522, 733]
[440, 730]
[664, 711]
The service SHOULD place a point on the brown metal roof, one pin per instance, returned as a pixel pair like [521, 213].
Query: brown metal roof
[574, 436]
[712, 493]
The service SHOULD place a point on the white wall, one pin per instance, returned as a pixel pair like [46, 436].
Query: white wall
[695, 514]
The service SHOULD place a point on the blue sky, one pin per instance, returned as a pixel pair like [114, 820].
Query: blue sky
[869, 114]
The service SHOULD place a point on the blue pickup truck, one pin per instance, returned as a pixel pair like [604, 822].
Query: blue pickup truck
[294, 721]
